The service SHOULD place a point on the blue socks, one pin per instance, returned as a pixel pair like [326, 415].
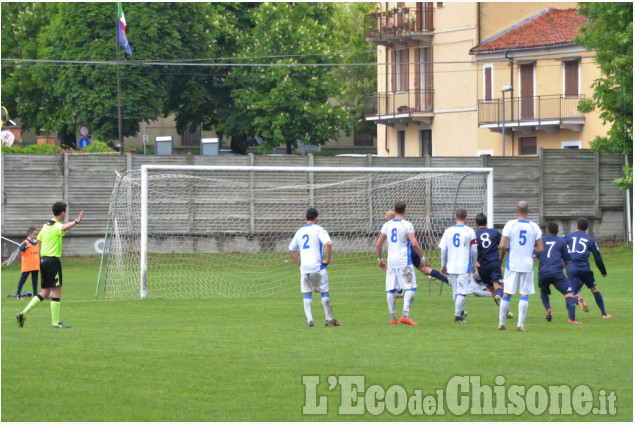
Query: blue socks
[437, 275]
[571, 307]
[545, 300]
[600, 302]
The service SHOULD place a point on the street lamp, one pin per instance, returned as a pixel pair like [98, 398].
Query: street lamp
[504, 90]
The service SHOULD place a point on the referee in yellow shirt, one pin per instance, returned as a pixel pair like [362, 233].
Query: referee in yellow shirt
[50, 238]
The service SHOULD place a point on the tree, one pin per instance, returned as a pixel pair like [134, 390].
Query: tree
[289, 100]
[357, 80]
[61, 96]
[609, 32]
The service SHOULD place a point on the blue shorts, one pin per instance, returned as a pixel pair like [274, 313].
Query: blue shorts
[490, 273]
[560, 282]
[579, 278]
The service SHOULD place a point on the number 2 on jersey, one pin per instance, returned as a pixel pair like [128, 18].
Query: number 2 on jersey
[306, 241]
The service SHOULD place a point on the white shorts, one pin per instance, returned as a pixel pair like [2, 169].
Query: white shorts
[523, 281]
[401, 278]
[314, 282]
[461, 283]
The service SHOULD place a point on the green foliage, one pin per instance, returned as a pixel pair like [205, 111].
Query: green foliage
[97, 146]
[609, 33]
[287, 103]
[355, 81]
[45, 148]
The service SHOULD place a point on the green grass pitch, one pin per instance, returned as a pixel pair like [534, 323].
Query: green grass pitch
[244, 359]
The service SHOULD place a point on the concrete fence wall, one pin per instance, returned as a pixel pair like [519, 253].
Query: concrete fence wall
[559, 185]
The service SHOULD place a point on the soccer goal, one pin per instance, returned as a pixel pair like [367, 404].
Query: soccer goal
[224, 231]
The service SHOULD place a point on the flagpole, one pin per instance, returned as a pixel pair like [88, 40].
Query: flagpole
[118, 78]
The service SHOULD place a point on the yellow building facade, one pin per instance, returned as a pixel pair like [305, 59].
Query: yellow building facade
[442, 67]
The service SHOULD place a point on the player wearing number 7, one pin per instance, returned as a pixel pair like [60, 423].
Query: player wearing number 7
[311, 240]
[522, 239]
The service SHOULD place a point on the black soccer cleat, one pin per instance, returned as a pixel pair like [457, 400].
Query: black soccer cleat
[20, 318]
[309, 324]
[548, 316]
[61, 325]
[332, 322]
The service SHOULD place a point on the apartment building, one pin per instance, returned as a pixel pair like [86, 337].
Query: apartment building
[444, 68]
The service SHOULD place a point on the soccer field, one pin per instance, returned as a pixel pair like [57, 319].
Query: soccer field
[253, 359]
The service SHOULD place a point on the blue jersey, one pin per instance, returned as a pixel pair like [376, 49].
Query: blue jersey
[581, 246]
[488, 241]
[553, 258]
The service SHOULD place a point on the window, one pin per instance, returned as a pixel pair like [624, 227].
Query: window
[571, 78]
[401, 143]
[425, 137]
[402, 70]
[571, 145]
[487, 83]
[528, 146]
[362, 139]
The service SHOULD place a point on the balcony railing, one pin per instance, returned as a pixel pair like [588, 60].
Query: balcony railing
[529, 111]
[398, 103]
[398, 22]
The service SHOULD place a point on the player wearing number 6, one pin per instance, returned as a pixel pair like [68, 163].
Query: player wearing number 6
[311, 240]
[522, 239]
[399, 235]
[458, 258]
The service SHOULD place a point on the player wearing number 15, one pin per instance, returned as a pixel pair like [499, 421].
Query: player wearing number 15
[581, 246]
[310, 241]
[522, 239]
[399, 235]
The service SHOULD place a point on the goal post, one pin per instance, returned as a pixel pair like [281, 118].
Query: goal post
[223, 231]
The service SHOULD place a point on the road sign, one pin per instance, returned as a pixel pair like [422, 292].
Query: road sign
[84, 142]
[7, 138]
[83, 131]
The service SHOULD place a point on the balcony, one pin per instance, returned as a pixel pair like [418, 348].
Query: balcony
[400, 25]
[530, 114]
[400, 107]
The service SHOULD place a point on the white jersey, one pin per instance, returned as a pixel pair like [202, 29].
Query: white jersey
[458, 249]
[522, 236]
[310, 239]
[396, 231]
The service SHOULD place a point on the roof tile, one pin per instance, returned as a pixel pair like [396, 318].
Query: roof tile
[552, 28]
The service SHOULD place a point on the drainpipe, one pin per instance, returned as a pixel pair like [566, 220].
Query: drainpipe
[510, 61]
[386, 84]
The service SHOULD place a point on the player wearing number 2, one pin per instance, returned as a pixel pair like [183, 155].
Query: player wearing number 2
[310, 241]
[581, 246]
[458, 258]
[399, 235]
[522, 239]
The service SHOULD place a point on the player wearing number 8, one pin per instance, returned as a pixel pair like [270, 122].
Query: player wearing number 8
[399, 236]
[522, 239]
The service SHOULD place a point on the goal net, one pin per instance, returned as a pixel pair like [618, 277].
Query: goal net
[224, 231]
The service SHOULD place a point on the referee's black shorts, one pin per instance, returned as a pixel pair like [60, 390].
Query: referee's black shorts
[51, 268]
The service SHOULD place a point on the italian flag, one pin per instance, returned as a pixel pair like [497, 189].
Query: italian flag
[122, 29]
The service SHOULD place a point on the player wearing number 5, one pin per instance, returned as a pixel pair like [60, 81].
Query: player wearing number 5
[581, 246]
[399, 235]
[521, 239]
[458, 258]
[311, 240]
